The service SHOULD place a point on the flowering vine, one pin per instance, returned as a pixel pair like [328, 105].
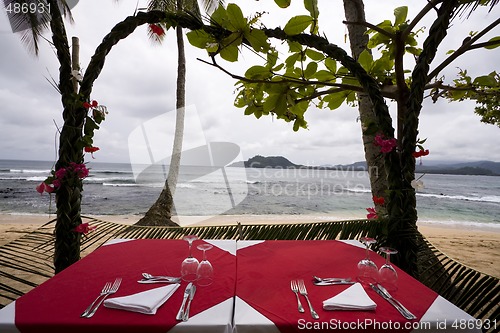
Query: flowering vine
[372, 211]
[95, 115]
[69, 173]
[386, 145]
[84, 228]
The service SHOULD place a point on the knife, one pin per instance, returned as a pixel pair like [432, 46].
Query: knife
[159, 281]
[187, 292]
[332, 283]
[385, 295]
[191, 296]
[384, 291]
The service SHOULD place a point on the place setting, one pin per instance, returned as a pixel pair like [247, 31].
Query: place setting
[193, 272]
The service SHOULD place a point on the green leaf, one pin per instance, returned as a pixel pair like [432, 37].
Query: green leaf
[199, 38]
[485, 80]
[312, 7]
[324, 75]
[257, 72]
[400, 13]
[297, 24]
[257, 39]
[283, 3]
[334, 100]
[331, 65]
[315, 55]
[236, 17]
[229, 53]
[220, 16]
[294, 47]
[291, 60]
[310, 70]
[414, 50]
[366, 60]
[494, 39]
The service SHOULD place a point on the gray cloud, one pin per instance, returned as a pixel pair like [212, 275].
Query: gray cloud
[138, 83]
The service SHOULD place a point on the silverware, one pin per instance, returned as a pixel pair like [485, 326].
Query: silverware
[111, 291]
[303, 292]
[147, 276]
[104, 291]
[188, 306]
[332, 283]
[187, 292]
[295, 289]
[173, 280]
[394, 302]
[318, 279]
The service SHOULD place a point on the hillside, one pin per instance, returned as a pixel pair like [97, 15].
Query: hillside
[483, 168]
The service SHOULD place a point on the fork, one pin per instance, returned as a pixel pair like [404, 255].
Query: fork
[112, 290]
[104, 291]
[303, 292]
[295, 289]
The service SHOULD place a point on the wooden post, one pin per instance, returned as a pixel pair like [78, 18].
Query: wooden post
[75, 60]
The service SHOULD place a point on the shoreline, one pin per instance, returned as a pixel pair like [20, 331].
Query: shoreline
[472, 245]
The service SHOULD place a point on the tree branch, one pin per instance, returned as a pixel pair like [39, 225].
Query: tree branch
[371, 26]
[430, 5]
[467, 46]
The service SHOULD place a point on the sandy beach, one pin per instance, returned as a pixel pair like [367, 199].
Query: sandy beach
[476, 248]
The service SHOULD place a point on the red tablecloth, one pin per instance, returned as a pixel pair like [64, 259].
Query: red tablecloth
[56, 305]
[264, 272]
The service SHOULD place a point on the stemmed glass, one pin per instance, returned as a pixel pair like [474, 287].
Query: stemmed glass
[367, 269]
[205, 272]
[388, 277]
[190, 265]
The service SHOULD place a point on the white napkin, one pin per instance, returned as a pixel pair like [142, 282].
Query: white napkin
[146, 302]
[353, 298]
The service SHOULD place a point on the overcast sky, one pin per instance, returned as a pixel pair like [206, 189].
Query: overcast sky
[137, 84]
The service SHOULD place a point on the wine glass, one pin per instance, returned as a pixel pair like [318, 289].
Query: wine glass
[190, 264]
[205, 272]
[367, 269]
[388, 277]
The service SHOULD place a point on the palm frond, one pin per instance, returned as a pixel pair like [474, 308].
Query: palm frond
[469, 6]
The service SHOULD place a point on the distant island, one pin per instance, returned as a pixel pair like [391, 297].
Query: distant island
[479, 168]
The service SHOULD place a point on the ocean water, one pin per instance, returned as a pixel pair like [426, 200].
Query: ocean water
[119, 188]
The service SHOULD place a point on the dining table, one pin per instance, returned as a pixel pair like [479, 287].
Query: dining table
[251, 291]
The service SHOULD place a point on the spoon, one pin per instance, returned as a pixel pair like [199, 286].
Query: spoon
[148, 276]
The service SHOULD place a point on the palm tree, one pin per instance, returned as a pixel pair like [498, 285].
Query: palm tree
[160, 212]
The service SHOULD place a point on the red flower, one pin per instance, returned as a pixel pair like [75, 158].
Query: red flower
[372, 214]
[84, 228]
[91, 150]
[92, 104]
[420, 153]
[378, 200]
[156, 29]
[386, 145]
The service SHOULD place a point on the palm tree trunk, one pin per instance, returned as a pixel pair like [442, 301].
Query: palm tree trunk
[160, 212]
[68, 195]
[354, 12]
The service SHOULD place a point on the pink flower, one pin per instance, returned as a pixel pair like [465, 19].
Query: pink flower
[43, 187]
[56, 183]
[386, 145]
[372, 214]
[60, 173]
[84, 228]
